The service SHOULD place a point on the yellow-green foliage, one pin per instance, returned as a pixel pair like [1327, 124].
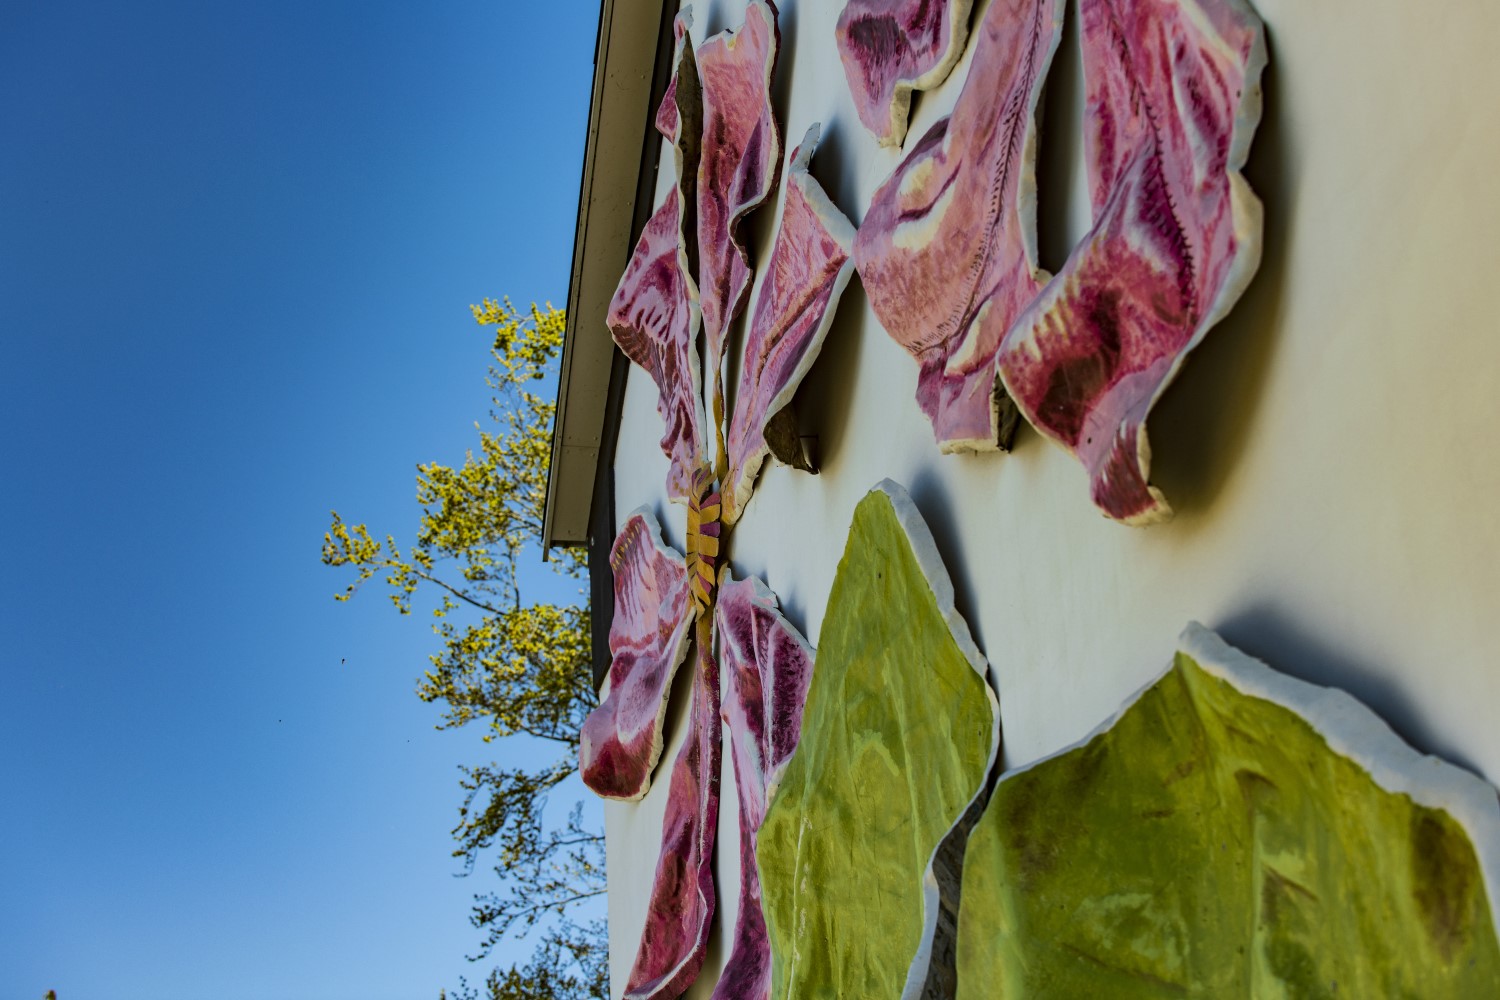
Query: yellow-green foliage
[514, 665]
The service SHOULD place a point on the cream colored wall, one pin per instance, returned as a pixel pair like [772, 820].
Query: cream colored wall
[1331, 448]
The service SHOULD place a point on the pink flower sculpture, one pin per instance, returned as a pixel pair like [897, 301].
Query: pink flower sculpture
[621, 739]
[892, 47]
[947, 251]
[741, 156]
[1173, 101]
[807, 272]
[769, 665]
[680, 913]
[654, 314]
[658, 594]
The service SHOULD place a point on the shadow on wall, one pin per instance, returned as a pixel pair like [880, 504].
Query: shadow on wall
[1200, 427]
[1269, 633]
[935, 501]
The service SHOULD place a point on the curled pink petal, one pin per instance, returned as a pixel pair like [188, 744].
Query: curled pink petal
[1173, 102]
[807, 271]
[890, 48]
[654, 314]
[621, 739]
[947, 251]
[770, 666]
[681, 909]
[740, 160]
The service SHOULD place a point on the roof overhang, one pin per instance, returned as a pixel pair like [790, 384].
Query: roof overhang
[619, 172]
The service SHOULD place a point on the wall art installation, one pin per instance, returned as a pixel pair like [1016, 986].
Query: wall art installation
[1269, 838]
[947, 250]
[621, 739]
[741, 158]
[806, 273]
[1173, 102]
[680, 912]
[768, 665]
[890, 48]
[899, 734]
[654, 314]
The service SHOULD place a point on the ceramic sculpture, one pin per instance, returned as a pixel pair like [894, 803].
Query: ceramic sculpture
[947, 251]
[892, 47]
[898, 737]
[1173, 101]
[680, 911]
[1233, 833]
[806, 273]
[654, 314]
[740, 160]
[621, 739]
[768, 667]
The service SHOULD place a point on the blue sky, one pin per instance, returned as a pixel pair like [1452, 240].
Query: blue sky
[237, 247]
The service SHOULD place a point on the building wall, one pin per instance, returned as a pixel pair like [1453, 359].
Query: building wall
[1330, 449]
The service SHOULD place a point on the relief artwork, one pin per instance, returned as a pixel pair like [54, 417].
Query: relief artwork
[892, 47]
[1173, 100]
[740, 161]
[806, 273]
[947, 251]
[1233, 833]
[621, 739]
[769, 666]
[654, 314]
[680, 912]
[899, 733]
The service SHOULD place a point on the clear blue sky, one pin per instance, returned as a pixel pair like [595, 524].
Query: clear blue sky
[237, 246]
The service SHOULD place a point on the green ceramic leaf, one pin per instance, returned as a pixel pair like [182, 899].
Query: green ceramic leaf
[898, 735]
[1233, 833]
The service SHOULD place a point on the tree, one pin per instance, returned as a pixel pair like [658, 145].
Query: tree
[522, 668]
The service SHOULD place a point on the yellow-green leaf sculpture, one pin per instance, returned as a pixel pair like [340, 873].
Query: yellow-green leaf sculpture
[1233, 833]
[899, 732]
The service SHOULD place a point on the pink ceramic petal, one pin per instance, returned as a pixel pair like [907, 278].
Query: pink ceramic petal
[1173, 102]
[621, 740]
[892, 47]
[654, 314]
[947, 251]
[807, 271]
[740, 160]
[769, 665]
[681, 910]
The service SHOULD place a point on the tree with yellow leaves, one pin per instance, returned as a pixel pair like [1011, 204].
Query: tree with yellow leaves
[521, 668]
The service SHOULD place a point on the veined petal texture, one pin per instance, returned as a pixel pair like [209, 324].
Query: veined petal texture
[899, 734]
[654, 314]
[680, 912]
[740, 162]
[806, 273]
[1173, 101]
[1231, 834]
[947, 251]
[621, 739]
[890, 48]
[769, 666]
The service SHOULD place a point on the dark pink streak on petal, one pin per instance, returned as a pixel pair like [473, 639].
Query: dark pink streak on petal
[947, 251]
[621, 740]
[770, 666]
[681, 909]
[1173, 101]
[740, 160]
[890, 48]
[808, 269]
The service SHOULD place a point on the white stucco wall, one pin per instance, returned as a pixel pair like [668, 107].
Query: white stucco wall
[1330, 449]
